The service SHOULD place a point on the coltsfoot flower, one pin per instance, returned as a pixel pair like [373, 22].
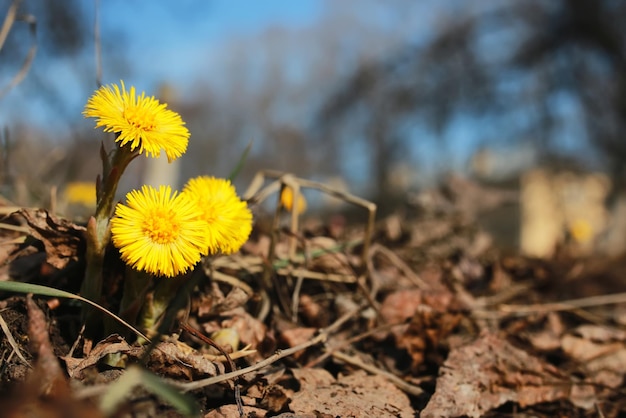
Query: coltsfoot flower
[229, 218]
[140, 121]
[81, 192]
[160, 232]
[286, 200]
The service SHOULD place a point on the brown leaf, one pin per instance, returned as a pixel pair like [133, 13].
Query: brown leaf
[549, 338]
[358, 395]
[46, 393]
[425, 336]
[584, 350]
[61, 238]
[489, 372]
[600, 333]
[401, 305]
[53, 379]
[331, 260]
[313, 312]
[294, 336]
[310, 378]
[178, 360]
[110, 345]
[228, 411]
[251, 331]
[602, 358]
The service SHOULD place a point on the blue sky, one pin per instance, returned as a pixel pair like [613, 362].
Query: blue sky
[174, 39]
[185, 42]
[160, 41]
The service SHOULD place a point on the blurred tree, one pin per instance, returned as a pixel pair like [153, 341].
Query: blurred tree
[64, 36]
[275, 80]
[63, 33]
[548, 71]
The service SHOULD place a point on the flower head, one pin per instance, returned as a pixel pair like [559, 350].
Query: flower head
[229, 219]
[140, 121]
[159, 232]
[81, 192]
[581, 230]
[286, 200]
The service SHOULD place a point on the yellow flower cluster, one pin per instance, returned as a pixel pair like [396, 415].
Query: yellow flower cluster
[158, 231]
[165, 233]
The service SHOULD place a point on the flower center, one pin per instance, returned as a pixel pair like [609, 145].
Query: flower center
[210, 213]
[161, 227]
[140, 118]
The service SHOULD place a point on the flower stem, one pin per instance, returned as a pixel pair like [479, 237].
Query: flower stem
[154, 307]
[98, 228]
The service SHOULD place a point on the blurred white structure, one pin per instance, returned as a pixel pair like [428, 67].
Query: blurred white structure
[562, 207]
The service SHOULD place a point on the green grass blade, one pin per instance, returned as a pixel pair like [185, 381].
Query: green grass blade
[241, 162]
[135, 376]
[19, 287]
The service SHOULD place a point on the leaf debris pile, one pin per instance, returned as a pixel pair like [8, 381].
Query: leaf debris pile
[432, 321]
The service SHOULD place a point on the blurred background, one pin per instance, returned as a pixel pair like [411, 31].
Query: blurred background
[387, 98]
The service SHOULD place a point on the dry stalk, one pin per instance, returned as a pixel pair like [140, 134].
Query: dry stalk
[321, 337]
[566, 305]
[12, 342]
[401, 384]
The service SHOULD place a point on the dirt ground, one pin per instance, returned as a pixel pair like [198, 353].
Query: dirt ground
[427, 318]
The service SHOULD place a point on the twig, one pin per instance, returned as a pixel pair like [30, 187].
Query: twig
[15, 228]
[506, 294]
[252, 195]
[28, 60]
[354, 361]
[218, 276]
[97, 43]
[8, 21]
[404, 268]
[319, 338]
[78, 338]
[567, 305]
[230, 361]
[12, 341]
[295, 299]
[329, 351]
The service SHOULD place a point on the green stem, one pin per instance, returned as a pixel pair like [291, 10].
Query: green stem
[98, 228]
[154, 307]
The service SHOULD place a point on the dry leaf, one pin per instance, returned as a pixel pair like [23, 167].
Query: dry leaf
[110, 345]
[489, 372]
[228, 411]
[425, 337]
[331, 260]
[62, 239]
[176, 361]
[358, 395]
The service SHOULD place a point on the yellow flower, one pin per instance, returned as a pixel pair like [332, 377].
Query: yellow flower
[286, 200]
[159, 232]
[81, 192]
[229, 219]
[140, 121]
[581, 230]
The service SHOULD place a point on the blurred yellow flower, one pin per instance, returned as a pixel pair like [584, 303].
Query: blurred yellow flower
[159, 232]
[141, 121]
[81, 193]
[581, 230]
[229, 219]
[286, 200]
